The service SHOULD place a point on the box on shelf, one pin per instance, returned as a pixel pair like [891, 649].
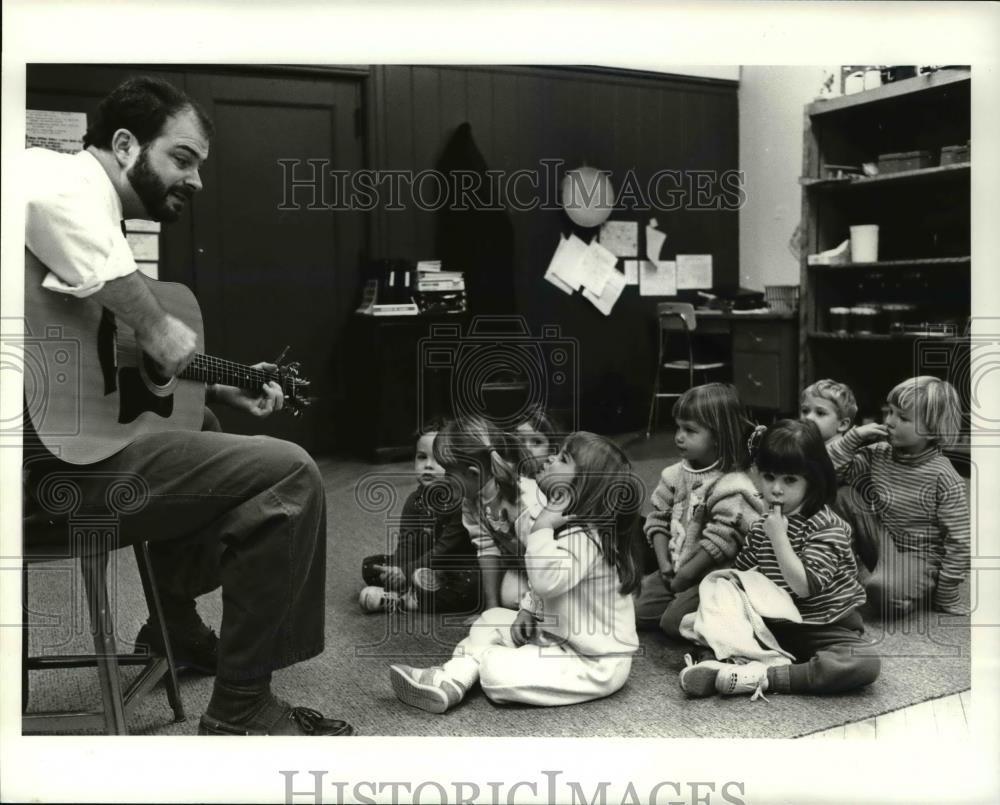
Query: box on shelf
[904, 161]
[955, 154]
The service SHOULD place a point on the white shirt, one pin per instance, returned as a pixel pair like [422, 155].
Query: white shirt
[73, 222]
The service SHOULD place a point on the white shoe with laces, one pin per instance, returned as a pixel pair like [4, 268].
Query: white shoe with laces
[378, 599]
[725, 678]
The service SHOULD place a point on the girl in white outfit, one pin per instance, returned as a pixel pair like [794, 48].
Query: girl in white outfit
[574, 636]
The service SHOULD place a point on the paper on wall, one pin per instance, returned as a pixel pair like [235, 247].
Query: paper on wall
[551, 275]
[595, 267]
[565, 264]
[57, 131]
[632, 271]
[141, 225]
[145, 246]
[658, 279]
[621, 238]
[694, 271]
[654, 241]
[605, 301]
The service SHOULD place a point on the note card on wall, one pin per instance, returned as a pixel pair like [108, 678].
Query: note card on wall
[694, 271]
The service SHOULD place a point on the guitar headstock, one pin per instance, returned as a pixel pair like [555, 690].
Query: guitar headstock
[294, 387]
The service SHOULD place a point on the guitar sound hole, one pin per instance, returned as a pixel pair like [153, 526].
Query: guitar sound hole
[153, 371]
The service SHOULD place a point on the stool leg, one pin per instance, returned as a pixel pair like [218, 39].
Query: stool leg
[158, 623]
[95, 582]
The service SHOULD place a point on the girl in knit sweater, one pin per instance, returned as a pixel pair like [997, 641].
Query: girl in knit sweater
[575, 642]
[906, 503]
[703, 505]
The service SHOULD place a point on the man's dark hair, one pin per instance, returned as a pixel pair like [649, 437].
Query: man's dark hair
[141, 105]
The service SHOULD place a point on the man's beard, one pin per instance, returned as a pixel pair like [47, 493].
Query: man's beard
[150, 188]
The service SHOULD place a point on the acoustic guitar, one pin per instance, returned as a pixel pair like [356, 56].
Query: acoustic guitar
[89, 390]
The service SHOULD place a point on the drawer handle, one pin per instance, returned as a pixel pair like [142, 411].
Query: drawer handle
[756, 338]
[757, 383]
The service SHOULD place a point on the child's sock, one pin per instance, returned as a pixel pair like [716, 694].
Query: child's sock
[430, 689]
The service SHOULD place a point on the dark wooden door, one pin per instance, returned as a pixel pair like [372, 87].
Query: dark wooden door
[266, 276]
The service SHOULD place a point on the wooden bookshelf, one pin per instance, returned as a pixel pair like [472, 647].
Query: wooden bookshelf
[918, 85]
[924, 230]
[954, 172]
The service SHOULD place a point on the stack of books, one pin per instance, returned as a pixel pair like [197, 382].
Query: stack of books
[439, 291]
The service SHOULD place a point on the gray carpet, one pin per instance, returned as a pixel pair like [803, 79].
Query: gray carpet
[923, 658]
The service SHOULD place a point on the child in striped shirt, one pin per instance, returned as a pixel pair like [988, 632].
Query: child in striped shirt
[907, 500]
[804, 548]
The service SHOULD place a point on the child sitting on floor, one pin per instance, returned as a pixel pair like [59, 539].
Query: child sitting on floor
[831, 405]
[536, 433]
[907, 503]
[703, 505]
[498, 503]
[433, 566]
[577, 641]
[804, 548]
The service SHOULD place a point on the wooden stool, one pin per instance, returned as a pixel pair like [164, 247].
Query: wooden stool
[90, 539]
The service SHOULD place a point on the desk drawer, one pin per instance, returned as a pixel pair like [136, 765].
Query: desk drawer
[756, 337]
[757, 377]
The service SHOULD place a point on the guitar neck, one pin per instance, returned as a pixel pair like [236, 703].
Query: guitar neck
[216, 370]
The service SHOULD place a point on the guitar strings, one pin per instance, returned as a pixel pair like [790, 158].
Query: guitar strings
[230, 370]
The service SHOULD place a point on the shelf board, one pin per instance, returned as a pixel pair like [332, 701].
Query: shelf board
[900, 337]
[897, 89]
[938, 173]
[915, 263]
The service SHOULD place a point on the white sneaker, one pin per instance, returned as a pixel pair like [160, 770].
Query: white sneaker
[378, 599]
[726, 678]
[430, 689]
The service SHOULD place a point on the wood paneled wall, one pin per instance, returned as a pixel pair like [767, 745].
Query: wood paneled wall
[614, 121]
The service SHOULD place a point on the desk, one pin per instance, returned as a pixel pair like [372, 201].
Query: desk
[764, 355]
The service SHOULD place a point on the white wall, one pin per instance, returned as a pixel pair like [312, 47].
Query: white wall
[771, 101]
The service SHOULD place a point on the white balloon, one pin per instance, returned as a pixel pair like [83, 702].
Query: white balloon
[587, 196]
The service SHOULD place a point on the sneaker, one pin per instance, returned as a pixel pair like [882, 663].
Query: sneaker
[195, 647]
[378, 599]
[429, 689]
[279, 718]
[726, 678]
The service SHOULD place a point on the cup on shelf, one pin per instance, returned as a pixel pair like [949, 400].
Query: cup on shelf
[839, 320]
[864, 243]
[873, 78]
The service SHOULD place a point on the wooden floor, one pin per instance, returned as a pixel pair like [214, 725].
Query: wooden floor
[945, 718]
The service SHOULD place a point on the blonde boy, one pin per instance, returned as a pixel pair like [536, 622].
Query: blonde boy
[909, 505]
[831, 405]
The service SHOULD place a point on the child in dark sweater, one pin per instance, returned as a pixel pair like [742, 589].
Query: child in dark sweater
[433, 566]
